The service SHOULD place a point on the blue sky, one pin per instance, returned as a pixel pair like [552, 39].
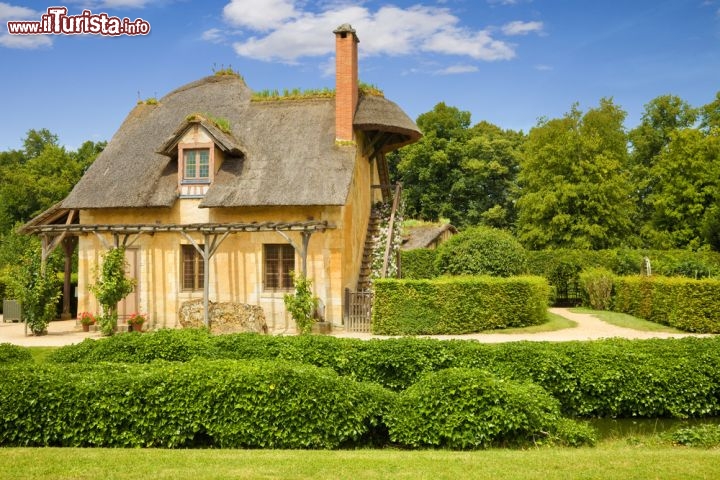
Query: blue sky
[506, 61]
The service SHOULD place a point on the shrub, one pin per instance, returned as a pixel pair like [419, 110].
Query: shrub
[173, 345]
[418, 263]
[597, 286]
[455, 305]
[470, 408]
[10, 353]
[704, 436]
[482, 251]
[301, 304]
[197, 404]
[573, 433]
[686, 304]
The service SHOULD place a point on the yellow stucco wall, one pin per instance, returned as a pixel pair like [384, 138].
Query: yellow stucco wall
[236, 269]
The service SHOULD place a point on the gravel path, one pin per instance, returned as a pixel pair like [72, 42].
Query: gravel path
[588, 327]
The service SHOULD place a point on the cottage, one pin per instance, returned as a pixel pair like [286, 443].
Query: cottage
[219, 195]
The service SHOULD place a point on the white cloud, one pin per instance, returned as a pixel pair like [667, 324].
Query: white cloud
[291, 32]
[214, 35]
[28, 42]
[543, 68]
[522, 28]
[124, 3]
[457, 69]
[261, 15]
[13, 12]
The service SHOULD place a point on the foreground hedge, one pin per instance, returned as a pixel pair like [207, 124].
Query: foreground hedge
[469, 408]
[198, 404]
[608, 378]
[686, 304]
[10, 353]
[456, 305]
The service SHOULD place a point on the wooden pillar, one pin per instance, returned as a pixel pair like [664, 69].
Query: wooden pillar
[69, 245]
[206, 281]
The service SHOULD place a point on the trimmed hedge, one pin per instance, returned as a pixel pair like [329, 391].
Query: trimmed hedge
[456, 305]
[470, 408]
[686, 304]
[609, 378]
[628, 262]
[10, 353]
[482, 251]
[418, 263]
[224, 404]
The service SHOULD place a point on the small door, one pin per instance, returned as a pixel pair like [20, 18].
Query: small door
[130, 304]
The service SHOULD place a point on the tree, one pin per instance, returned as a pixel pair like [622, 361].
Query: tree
[460, 173]
[575, 183]
[662, 117]
[111, 286]
[683, 204]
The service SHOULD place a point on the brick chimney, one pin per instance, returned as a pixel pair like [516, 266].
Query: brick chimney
[346, 80]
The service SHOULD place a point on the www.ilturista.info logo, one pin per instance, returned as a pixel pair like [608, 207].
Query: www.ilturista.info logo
[57, 22]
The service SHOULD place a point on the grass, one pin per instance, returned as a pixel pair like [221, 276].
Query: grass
[554, 322]
[39, 354]
[612, 459]
[627, 321]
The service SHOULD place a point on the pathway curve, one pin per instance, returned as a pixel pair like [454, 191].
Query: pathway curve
[588, 327]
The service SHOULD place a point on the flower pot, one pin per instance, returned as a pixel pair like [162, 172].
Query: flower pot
[86, 328]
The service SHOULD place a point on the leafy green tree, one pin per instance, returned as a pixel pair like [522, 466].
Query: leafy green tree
[111, 286]
[574, 181]
[462, 173]
[663, 116]
[684, 201]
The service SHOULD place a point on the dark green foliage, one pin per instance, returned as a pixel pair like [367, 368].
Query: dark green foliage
[37, 290]
[10, 353]
[687, 263]
[573, 433]
[609, 378]
[597, 286]
[482, 251]
[704, 436]
[198, 404]
[172, 345]
[470, 408]
[418, 263]
[686, 304]
[454, 305]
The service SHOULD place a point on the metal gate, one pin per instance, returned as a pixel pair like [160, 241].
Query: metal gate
[358, 310]
[11, 311]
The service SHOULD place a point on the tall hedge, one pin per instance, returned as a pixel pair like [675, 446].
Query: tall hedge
[628, 262]
[456, 305]
[224, 404]
[686, 304]
[418, 263]
[482, 251]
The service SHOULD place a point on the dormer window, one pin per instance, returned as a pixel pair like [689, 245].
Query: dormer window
[197, 165]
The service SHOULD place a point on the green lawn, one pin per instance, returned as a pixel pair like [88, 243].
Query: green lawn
[627, 321]
[554, 322]
[615, 459]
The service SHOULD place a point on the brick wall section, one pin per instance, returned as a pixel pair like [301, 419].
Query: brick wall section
[346, 81]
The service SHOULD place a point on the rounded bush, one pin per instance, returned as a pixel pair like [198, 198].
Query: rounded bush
[10, 353]
[482, 251]
[470, 408]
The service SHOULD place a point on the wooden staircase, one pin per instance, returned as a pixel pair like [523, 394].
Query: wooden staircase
[366, 265]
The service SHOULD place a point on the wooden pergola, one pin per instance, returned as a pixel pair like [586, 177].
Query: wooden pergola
[59, 226]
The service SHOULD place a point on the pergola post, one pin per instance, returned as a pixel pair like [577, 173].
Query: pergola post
[206, 282]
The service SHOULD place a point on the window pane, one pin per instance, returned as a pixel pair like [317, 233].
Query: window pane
[192, 268]
[279, 262]
[204, 171]
[190, 165]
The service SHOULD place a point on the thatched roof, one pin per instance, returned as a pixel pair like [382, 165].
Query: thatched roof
[277, 153]
[424, 235]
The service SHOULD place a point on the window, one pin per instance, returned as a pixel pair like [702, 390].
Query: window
[192, 268]
[197, 164]
[279, 262]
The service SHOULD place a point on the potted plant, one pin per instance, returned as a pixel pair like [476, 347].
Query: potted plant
[86, 319]
[135, 322]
